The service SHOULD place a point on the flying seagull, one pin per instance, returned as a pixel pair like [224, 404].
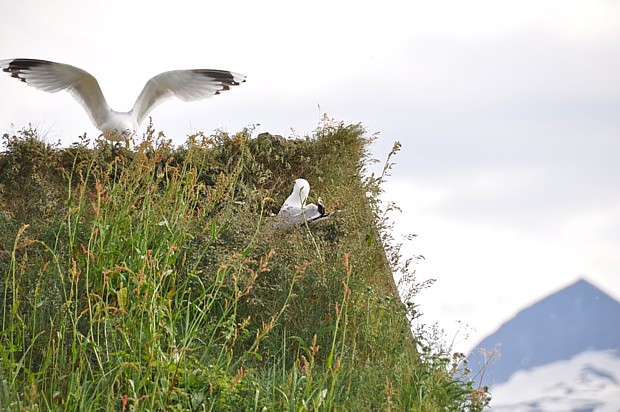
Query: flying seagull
[187, 85]
[295, 211]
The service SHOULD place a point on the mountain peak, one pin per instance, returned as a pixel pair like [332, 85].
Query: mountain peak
[572, 320]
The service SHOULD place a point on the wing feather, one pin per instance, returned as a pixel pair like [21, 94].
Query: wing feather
[186, 85]
[53, 77]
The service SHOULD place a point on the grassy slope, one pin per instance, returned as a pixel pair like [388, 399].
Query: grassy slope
[151, 278]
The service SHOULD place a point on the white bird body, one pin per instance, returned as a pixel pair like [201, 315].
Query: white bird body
[186, 85]
[295, 211]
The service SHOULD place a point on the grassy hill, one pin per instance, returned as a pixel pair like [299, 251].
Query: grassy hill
[151, 278]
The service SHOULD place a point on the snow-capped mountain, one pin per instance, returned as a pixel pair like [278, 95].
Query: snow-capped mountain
[578, 318]
[560, 354]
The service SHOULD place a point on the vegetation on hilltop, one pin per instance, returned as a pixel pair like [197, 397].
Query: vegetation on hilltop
[151, 278]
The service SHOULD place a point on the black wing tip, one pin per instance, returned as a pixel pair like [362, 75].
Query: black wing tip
[227, 78]
[22, 63]
[17, 66]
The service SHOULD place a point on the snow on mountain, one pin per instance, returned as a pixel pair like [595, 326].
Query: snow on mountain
[587, 382]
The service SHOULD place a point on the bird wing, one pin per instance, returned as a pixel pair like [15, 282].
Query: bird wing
[292, 216]
[289, 210]
[53, 77]
[311, 212]
[187, 85]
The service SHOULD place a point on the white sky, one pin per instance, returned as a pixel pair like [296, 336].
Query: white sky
[508, 111]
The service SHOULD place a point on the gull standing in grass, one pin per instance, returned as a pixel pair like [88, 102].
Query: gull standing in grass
[295, 211]
[187, 85]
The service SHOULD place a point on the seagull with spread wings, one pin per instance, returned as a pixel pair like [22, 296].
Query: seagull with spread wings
[187, 85]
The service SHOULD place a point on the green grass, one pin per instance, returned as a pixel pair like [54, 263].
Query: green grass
[150, 278]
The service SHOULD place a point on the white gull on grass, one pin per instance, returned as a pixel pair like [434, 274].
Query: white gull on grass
[295, 211]
[187, 85]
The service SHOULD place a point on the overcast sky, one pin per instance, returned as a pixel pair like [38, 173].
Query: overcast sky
[508, 112]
